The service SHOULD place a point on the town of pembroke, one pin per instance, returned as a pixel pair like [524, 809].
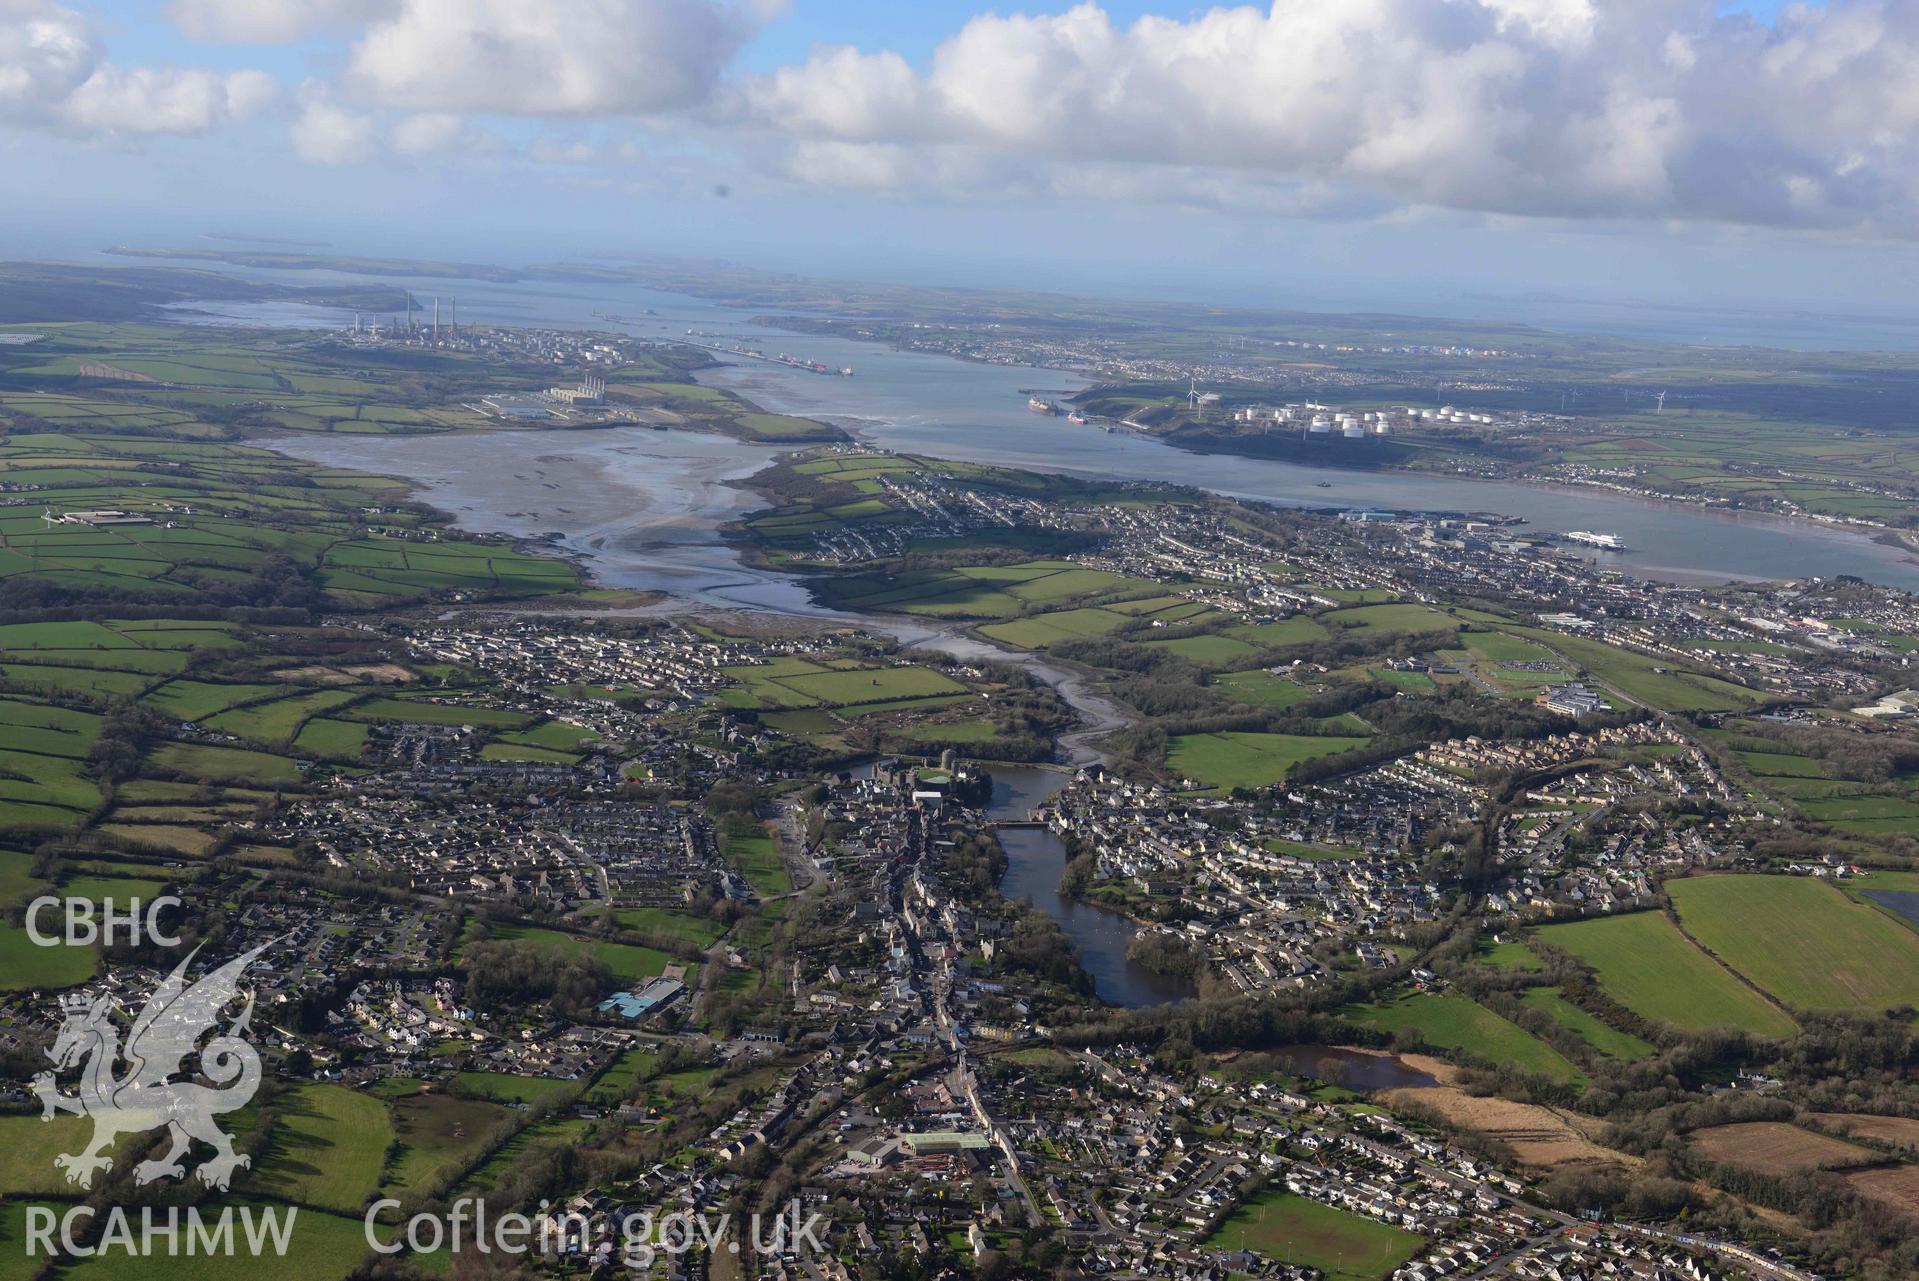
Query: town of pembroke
[1002, 863]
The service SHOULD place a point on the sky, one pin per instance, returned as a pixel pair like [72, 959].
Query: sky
[1420, 154]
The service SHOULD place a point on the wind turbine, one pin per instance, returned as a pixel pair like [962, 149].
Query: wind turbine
[46, 516]
[1660, 407]
[1192, 392]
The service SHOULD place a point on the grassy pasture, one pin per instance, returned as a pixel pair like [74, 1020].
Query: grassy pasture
[327, 1150]
[758, 860]
[1263, 689]
[666, 922]
[1644, 962]
[1458, 1023]
[620, 1076]
[420, 712]
[1295, 1229]
[337, 740]
[1042, 630]
[277, 722]
[1210, 651]
[624, 960]
[1602, 1036]
[25, 966]
[323, 1247]
[1389, 618]
[17, 881]
[190, 700]
[225, 764]
[436, 1131]
[542, 1134]
[1229, 760]
[1802, 940]
[503, 1087]
[872, 685]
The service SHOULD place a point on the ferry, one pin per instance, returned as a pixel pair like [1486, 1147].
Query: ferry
[1605, 542]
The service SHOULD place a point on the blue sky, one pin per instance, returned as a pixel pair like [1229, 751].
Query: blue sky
[1370, 150]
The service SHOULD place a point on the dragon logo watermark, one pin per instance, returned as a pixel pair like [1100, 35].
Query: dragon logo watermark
[165, 1037]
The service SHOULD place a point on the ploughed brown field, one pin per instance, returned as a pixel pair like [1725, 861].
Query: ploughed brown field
[1893, 1186]
[1774, 1147]
[1902, 1130]
[1538, 1137]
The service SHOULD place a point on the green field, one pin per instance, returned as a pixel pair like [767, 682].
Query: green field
[1263, 689]
[421, 712]
[224, 764]
[1208, 651]
[340, 740]
[507, 1088]
[758, 860]
[25, 966]
[17, 881]
[323, 1247]
[437, 1132]
[28, 1146]
[540, 1135]
[626, 961]
[1644, 962]
[1802, 940]
[666, 922]
[189, 700]
[1229, 760]
[1603, 1037]
[1509, 956]
[620, 1076]
[327, 1151]
[1293, 1229]
[1497, 647]
[872, 685]
[1041, 630]
[1390, 618]
[1000, 592]
[1459, 1023]
[276, 722]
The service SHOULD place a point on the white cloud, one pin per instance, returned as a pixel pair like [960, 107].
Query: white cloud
[54, 75]
[552, 58]
[167, 102]
[46, 52]
[1581, 108]
[326, 133]
[271, 21]
[429, 134]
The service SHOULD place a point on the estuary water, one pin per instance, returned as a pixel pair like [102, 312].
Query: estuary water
[925, 403]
